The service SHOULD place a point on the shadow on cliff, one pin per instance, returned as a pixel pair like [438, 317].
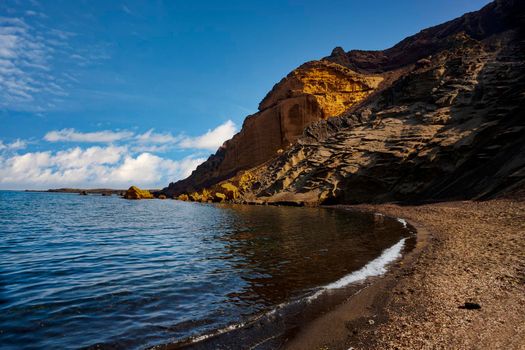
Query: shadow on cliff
[487, 164]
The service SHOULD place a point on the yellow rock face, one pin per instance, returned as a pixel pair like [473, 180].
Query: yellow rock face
[334, 87]
[183, 197]
[232, 192]
[334, 90]
[246, 180]
[220, 197]
[206, 196]
[316, 90]
[195, 196]
[136, 193]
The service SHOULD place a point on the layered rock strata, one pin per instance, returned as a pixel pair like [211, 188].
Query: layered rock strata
[315, 91]
[438, 116]
[451, 128]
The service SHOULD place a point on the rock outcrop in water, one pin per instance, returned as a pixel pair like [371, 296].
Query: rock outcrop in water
[136, 193]
[438, 116]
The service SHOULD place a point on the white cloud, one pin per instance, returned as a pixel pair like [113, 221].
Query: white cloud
[111, 166]
[13, 146]
[29, 53]
[151, 169]
[126, 160]
[150, 141]
[212, 139]
[157, 138]
[71, 135]
[24, 65]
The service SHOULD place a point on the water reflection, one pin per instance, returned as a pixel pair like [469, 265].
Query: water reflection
[141, 273]
[281, 252]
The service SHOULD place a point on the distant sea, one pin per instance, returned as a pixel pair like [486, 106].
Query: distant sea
[94, 271]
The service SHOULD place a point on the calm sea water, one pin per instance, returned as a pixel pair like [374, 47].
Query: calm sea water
[82, 271]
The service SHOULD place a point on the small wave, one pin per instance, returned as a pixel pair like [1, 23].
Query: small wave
[375, 267]
[403, 222]
[228, 328]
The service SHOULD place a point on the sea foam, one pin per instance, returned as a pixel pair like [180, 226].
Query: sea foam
[375, 267]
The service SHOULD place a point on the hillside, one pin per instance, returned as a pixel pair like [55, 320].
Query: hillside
[438, 116]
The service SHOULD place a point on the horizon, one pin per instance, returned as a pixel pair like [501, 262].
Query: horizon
[112, 95]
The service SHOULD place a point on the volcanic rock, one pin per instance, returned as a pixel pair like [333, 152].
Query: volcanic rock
[136, 193]
[438, 116]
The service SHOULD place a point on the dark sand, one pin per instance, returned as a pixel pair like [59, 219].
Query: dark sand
[466, 252]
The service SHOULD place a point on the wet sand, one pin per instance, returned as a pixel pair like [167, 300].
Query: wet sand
[467, 252]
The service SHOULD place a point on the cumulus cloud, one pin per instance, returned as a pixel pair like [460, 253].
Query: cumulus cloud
[212, 139]
[71, 135]
[150, 141]
[110, 166]
[126, 159]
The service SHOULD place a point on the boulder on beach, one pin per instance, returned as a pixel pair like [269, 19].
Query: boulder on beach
[136, 193]
[183, 197]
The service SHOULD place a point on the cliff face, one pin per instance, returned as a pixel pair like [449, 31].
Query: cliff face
[316, 90]
[497, 17]
[438, 116]
[453, 127]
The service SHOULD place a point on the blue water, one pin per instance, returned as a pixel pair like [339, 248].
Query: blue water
[79, 271]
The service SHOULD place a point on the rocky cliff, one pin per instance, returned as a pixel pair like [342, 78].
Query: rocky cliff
[315, 91]
[438, 116]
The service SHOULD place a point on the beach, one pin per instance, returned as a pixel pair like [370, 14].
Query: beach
[462, 287]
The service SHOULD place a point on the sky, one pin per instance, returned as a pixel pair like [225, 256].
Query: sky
[113, 93]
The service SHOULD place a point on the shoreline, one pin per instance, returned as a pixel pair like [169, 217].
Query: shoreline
[418, 303]
[274, 327]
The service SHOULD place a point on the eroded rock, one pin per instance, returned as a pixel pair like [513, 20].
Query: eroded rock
[136, 193]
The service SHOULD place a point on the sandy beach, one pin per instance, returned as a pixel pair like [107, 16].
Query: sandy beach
[462, 287]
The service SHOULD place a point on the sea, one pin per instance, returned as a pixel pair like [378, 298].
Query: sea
[101, 272]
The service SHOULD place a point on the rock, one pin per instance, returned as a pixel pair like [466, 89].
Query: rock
[436, 117]
[162, 196]
[316, 90]
[219, 197]
[495, 18]
[183, 197]
[231, 191]
[83, 193]
[470, 306]
[206, 196]
[136, 193]
[195, 196]
[246, 181]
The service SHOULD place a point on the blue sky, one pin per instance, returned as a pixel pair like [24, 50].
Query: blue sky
[114, 93]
